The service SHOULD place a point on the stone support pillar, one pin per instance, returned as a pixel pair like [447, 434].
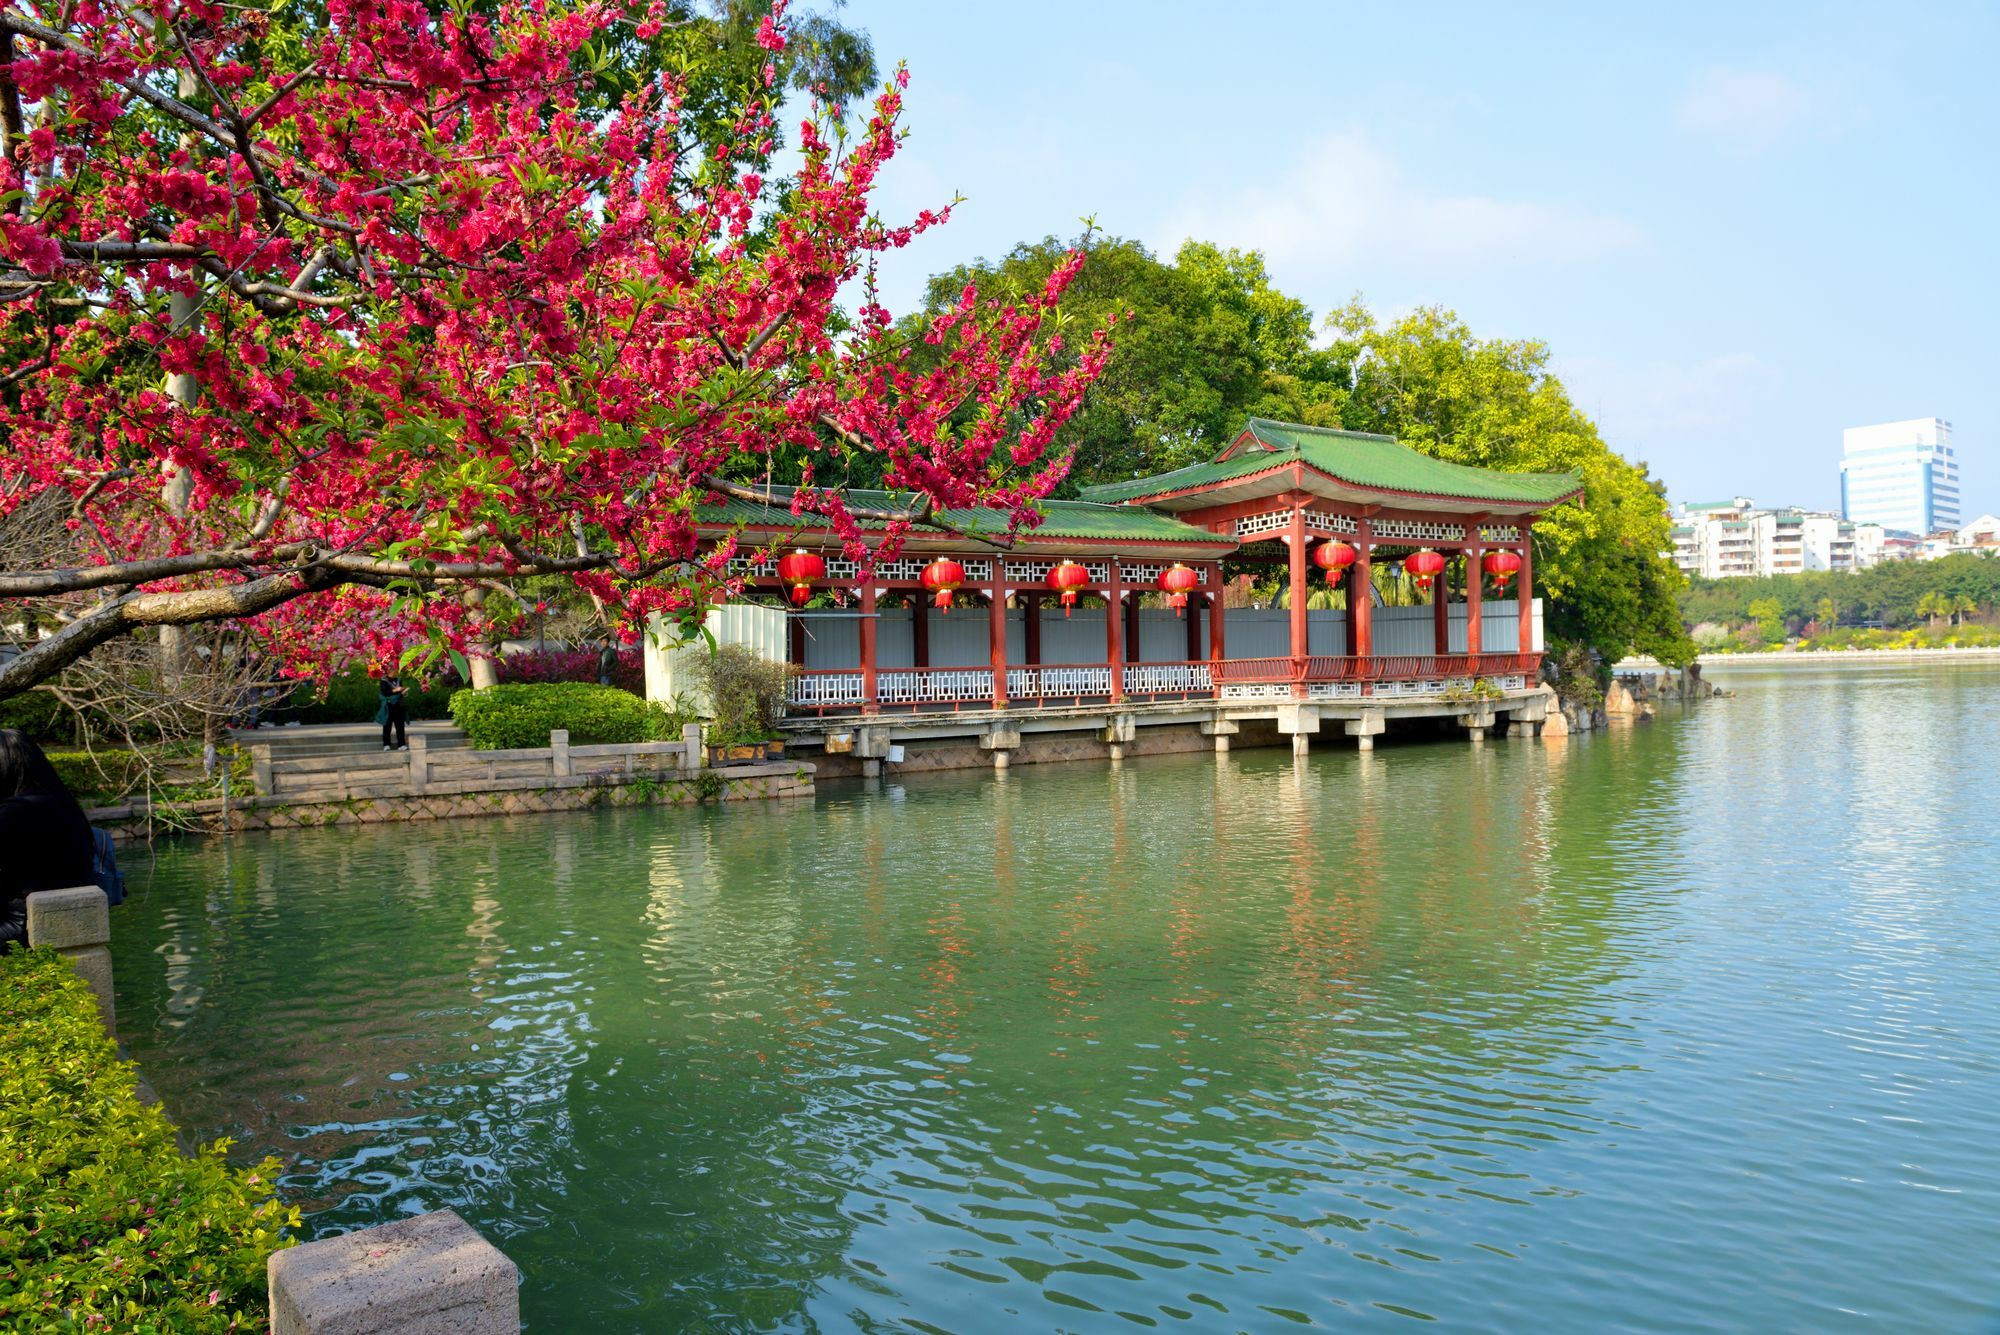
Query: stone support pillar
[558, 753]
[1366, 729]
[76, 924]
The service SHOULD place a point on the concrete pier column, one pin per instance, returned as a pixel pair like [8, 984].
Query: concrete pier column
[1366, 729]
[1301, 743]
[1000, 739]
[1221, 729]
[76, 924]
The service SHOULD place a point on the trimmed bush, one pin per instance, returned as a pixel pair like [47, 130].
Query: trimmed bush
[104, 1223]
[36, 713]
[519, 715]
[104, 777]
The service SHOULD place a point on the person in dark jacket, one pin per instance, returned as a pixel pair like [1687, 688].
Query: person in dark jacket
[45, 841]
[394, 713]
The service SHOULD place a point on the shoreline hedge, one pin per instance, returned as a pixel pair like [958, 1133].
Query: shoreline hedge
[104, 1223]
[518, 715]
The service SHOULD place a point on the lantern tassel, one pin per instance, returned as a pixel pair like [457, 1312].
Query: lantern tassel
[943, 600]
[1068, 602]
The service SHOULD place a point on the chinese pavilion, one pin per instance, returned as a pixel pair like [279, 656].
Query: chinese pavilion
[1055, 617]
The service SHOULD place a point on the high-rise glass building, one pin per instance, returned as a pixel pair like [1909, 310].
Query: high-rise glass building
[1901, 475]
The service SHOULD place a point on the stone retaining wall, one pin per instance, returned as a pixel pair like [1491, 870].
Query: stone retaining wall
[735, 783]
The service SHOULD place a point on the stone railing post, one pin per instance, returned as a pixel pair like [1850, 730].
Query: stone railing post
[420, 763]
[692, 756]
[559, 752]
[76, 923]
[260, 769]
[431, 1272]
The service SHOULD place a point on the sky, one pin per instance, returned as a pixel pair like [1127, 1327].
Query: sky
[1738, 228]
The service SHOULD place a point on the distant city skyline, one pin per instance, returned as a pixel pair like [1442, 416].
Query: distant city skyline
[1740, 231]
[1901, 475]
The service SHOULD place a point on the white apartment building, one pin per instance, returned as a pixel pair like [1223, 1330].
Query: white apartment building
[1901, 475]
[1725, 539]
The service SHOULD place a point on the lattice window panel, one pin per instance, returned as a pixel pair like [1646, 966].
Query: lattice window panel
[1257, 525]
[1421, 530]
[901, 569]
[925, 687]
[1037, 572]
[1322, 521]
[1166, 678]
[1512, 682]
[836, 567]
[1269, 690]
[821, 689]
[1408, 688]
[1501, 533]
[1334, 690]
[1146, 572]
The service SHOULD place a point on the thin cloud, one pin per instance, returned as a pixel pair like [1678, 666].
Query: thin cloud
[1746, 110]
[1346, 204]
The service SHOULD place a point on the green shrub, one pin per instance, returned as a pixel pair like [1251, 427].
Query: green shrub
[99, 777]
[104, 1223]
[746, 691]
[518, 715]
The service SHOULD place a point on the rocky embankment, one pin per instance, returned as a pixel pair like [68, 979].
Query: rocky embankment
[1629, 699]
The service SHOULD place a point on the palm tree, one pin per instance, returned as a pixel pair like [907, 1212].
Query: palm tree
[1963, 606]
[1932, 606]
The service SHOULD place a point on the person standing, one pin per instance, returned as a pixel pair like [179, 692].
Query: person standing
[45, 839]
[393, 713]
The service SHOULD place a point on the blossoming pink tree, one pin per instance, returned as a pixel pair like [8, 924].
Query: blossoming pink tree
[315, 324]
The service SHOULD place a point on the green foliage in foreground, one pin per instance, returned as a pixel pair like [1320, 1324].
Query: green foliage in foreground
[518, 715]
[1893, 593]
[104, 1223]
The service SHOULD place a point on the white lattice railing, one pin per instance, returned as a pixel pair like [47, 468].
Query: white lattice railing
[820, 690]
[1055, 683]
[934, 686]
[1334, 690]
[1500, 533]
[1256, 690]
[1166, 678]
[1145, 572]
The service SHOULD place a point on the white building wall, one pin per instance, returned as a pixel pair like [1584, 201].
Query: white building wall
[1901, 475]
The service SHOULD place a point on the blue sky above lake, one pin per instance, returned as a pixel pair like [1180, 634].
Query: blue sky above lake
[1739, 228]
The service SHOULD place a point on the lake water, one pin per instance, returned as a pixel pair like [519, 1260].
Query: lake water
[1691, 1025]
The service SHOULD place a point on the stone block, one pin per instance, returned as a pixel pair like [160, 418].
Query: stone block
[428, 1275]
[1220, 727]
[80, 916]
[1555, 726]
[94, 963]
[1000, 739]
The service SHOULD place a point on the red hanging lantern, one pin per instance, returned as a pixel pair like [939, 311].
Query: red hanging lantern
[1423, 567]
[1066, 579]
[1177, 581]
[1334, 558]
[799, 568]
[943, 577]
[1502, 565]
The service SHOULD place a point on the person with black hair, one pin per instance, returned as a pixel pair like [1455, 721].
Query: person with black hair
[394, 712]
[45, 839]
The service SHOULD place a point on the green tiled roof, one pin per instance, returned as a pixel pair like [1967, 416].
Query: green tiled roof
[1084, 520]
[1352, 457]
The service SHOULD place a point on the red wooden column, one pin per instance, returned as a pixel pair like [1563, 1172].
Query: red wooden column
[1361, 591]
[1526, 581]
[920, 630]
[1441, 610]
[1135, 652]
[870, 700]
[1193, 610]
[1295, 539]
[1475, 578]
[996, 635]
[1114, 646]
[795, 640]
[1217, 646]
[1033, 603]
